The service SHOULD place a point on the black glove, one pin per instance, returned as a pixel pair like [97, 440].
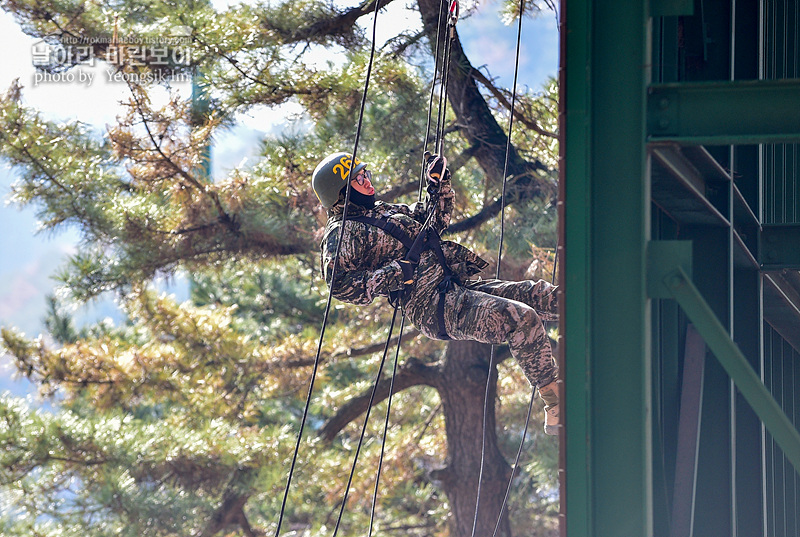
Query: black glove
[408, 268]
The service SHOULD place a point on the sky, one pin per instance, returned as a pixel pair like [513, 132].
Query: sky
[28, 258]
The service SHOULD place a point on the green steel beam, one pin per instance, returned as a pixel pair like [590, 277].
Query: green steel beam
[575, 318]
[735, 364]
[778, 246]
[608, 432]
[620, 370]
[662, 258]
[725, 113]
[663, 8]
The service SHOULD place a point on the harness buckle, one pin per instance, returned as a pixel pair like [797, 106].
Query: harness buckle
[447, 283]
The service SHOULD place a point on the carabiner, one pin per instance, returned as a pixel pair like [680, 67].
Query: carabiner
[453, 19]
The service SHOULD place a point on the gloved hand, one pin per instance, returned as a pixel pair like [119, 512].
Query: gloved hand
[436, 168]
[408, 268]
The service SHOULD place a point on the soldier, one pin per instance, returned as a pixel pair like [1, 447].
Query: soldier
[394, 250]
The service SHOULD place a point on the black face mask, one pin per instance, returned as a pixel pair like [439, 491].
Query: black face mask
[368, 202]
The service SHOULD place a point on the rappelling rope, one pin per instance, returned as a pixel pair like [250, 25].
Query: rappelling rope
[553, 281]
[446, 44]
[497, 276]
[333, 279]
[516, 463]
[396, 305]
[453, 18]
[385, 426]
[439, 143]
[364, 426]
[430, 101]
[428, 222]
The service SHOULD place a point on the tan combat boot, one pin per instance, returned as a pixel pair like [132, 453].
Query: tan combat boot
[549, 395]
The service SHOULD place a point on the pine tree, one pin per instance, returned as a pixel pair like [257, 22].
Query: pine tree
[183, 419]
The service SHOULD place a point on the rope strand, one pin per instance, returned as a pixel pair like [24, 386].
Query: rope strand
[428, 221]
[451, 26]
[430, 103]
[386, 427]
[326, 314]
[497, 276]
[516, 464]
[364, 426]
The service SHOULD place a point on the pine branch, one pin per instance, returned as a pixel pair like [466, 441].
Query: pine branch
[277, 93]
[495, 91]
[339, 25]
[352, 353]
[413, 373]
[224, 217]
[486, 213]
[231, 509]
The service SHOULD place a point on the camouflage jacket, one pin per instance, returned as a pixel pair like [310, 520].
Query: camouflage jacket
[368, 264]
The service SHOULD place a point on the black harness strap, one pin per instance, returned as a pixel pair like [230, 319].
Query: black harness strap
[388, 226]
[435, 243]
[428, 239]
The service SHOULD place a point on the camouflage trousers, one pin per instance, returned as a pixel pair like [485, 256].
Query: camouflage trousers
[496, 312]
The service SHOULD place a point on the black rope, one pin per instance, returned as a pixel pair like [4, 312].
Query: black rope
[516, 463]
[385, 427]
[442, 68]
[427, 223]
[428, 220]
[364, 426]
[326, 314]
[483, 435]
[497, 275]
[452, 19]
[430, 100]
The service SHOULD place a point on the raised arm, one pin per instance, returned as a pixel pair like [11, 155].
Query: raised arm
[440, 196]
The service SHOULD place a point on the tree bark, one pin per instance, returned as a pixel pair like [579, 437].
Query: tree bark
[462, 388]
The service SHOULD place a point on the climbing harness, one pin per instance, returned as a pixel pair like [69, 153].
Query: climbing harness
[427, 239]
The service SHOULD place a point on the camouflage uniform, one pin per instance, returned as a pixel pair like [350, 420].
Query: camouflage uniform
[489, 311]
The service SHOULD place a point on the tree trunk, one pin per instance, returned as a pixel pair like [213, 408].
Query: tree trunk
[462, 392]
[479, 127]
